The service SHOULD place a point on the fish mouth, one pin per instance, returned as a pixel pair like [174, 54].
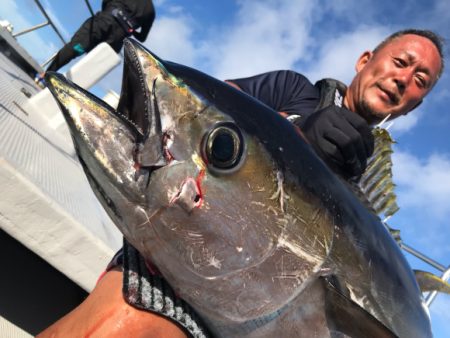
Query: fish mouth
[152, 148]
[118, 147]
[139, 104]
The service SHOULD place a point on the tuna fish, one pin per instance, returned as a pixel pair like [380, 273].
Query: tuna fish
[241, 217]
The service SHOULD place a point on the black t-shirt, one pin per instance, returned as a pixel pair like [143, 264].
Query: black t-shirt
[283, 90]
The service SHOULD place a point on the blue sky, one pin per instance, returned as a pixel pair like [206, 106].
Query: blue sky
[230, 39]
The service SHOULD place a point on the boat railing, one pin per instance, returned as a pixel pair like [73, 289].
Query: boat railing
[48, 22]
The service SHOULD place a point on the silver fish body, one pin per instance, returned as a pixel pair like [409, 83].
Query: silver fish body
[235, 209]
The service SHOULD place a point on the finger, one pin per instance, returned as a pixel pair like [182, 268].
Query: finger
[353, 118]
[362, 127]
[332, 156]
[351, 149]
[332, 152]
[342, 141]
[363, 143]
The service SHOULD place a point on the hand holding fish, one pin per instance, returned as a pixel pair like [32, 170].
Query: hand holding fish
[342, 138]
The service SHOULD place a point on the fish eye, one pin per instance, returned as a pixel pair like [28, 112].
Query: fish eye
[224, 147]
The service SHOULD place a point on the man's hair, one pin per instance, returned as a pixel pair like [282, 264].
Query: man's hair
[437, 40]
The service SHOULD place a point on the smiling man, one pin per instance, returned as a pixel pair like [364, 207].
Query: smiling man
[395, 77]
[390, 81]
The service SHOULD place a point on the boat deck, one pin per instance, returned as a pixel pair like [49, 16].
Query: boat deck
[48, 205]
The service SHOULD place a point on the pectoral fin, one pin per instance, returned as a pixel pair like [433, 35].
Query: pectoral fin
[346, 317]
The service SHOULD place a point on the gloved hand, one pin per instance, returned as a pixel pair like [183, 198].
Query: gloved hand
[342, 138]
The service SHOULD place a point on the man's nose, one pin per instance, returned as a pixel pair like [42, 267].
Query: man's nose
[402, 79]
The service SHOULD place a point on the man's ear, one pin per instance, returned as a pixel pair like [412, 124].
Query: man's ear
[363, 60]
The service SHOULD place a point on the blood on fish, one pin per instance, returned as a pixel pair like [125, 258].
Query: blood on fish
[193, 184]
[198, 181]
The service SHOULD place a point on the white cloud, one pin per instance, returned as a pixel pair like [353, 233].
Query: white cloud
[266, 35]
[337, 58]
[406, 123]
[171, 38]
[158, 3]
[423, 184]
[355, 11]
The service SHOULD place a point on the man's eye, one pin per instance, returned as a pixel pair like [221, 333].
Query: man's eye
[421, 82]
[400, 62]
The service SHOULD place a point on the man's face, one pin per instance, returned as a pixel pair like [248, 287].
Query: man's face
[395, 79]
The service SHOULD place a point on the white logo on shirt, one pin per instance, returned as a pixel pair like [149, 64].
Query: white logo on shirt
[338, 98]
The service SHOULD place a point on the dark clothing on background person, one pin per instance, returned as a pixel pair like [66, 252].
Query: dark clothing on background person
[106, 27]
[284, 91]
[141, 12]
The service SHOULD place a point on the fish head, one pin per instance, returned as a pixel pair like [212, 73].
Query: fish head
[199, 178]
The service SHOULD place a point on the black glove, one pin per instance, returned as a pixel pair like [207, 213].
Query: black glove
[342, 138]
